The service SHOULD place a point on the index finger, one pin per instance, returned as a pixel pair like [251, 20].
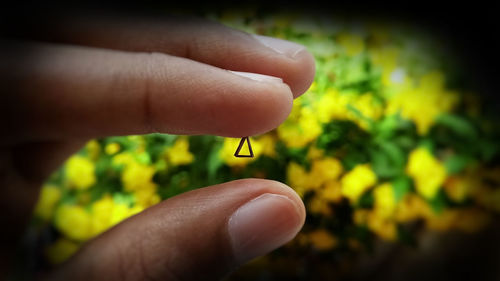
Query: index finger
[197, 39]
[68, 92]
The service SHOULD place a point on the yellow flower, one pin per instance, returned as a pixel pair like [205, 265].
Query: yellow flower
[120, 212]
[458, 187]
[296, 109]
[123, 158]
[324, 170]
[326, 106]
[318, 205]
[309, 124]
[385, 202]
[61, 250]
[229, 147]
[314, 153]
[112, 148]
[101, 210]
[137, 176]
[353, 44]
[49, 197]
[146, 196]
[443, 221]
[357, 181]
[93, 149]
[368, 107]
[136, 209]
[332, 191]
[74, 222]
[322, 240]
[80, 172]
[268, 144]
[333, 105]
[424, 103]
[179, 153]
[412, 207]
[427, 172]
[383, 227]
[298, 133]
[106, 213]
[297, 178]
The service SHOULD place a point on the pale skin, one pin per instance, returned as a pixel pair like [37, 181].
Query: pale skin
[118, 76]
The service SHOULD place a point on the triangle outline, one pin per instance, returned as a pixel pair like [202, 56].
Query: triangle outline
[242, 141]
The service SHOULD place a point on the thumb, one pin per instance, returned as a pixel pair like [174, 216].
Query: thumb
[199, 235]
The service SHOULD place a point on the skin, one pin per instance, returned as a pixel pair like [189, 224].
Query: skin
[75, 79]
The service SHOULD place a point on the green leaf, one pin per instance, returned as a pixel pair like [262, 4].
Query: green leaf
[214, 162]
[428, 144]
[161, 165]
[456, 163]
[385, 127]
[123, 198]
[401, 185]
[395, 154]
[381, 164]
[366, 200]
[143, 158]
[458, 124]
[353, 158]
[101, 166]
[438, 203]
[388, 159]
[360, 115]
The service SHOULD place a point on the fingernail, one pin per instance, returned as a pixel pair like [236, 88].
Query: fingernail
[262, 225]
[258, 77]
[285, 47]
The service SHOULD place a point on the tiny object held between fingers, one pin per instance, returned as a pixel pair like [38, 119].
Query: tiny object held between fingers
[242, 141]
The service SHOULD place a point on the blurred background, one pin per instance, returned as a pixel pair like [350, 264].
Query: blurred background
[394, 149]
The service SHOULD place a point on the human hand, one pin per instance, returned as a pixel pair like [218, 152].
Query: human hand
[117, 76]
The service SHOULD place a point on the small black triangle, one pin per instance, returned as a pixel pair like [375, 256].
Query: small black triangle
[242, 141]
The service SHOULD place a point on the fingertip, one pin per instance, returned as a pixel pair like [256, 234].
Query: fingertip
[304, 74]
[262, 186]
[289, 60]
[257, 107]
[267, 109]
[265, 222]
[291, 194]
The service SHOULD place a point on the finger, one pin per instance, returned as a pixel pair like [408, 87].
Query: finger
[58, 92]
[198, 39]
[199, 235]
